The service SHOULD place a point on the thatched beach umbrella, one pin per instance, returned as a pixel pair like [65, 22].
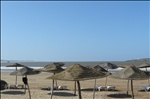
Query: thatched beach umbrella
[24, 72]
[53, 68]
[78, 73]
[99, 68]
[145, 65]
[16, 65]
[130, 73]
[107, 66]
[3, 85]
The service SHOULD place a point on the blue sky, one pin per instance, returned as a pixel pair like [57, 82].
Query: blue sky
[74, 31]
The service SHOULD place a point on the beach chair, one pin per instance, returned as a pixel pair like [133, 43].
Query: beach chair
[100, 88]
[146, 88]
[62, 87]
[12, 86]
[16, 86]
[55, 88]
[20, 86]
[110, 88]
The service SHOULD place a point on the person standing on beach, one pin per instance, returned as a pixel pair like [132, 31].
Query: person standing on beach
[25, 81]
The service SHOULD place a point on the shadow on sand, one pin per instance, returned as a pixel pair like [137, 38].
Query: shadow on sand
[143, 91]
[91, 89]
[62, 94]
[12, 92]
[46, 89]
[119, 96]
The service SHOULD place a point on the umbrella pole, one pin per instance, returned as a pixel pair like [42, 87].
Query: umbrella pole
[56, 82]
[29, 90]
[25, 90]
[148, 79]
[16, 78]
[94, 89]
[132, 89]
[74, 88]
[127, 86]
[52, 88]
[79, 90]
[106, 80]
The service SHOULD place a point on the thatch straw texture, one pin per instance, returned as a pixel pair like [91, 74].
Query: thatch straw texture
[109, 65]
[78, 72]
[145, 65]
[53, 68]
[99, 68]
[131, 73]
[16, 65]
[25, 71]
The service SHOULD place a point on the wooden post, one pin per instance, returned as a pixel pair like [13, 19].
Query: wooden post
[132, 89]
[106, 80]
[94, 89]
[148, 79]
[79, 90]
[29, 90]
[25, 90]
[127, 86]
[56, 83]
[16, 78]
[74, 88]
[52, 87]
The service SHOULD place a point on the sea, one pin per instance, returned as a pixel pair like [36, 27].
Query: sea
[37, 65]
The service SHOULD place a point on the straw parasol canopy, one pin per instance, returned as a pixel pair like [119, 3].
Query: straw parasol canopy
[59, 63]
[99, 68]
[78, 73]
[56, 67]
[53, 68]
[145, 65]
[3, 84]
[25, 71]
[130, 73]
[16, 65]
[108, 65]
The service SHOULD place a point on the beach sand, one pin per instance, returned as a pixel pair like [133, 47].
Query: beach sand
[39, 84]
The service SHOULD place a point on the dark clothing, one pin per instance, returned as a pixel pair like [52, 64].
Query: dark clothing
[25, 80]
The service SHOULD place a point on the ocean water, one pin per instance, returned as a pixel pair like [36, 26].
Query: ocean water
[37, 65]
[12, 69]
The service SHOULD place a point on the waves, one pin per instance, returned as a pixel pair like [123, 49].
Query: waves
[11, 69]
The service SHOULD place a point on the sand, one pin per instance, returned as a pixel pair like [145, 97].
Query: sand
[39, 84]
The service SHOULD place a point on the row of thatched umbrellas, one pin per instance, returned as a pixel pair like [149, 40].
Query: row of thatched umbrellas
[78, 72]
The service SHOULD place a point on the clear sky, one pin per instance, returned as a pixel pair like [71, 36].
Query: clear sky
[75, 30]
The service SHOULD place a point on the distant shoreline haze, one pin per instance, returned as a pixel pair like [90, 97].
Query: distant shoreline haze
[141, 59]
